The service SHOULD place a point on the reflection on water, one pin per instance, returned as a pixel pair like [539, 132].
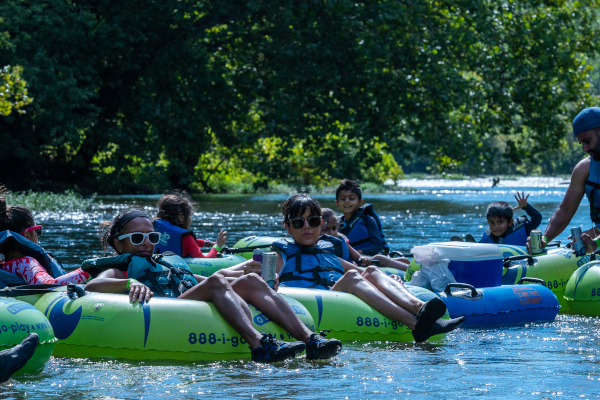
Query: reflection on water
[559, 359]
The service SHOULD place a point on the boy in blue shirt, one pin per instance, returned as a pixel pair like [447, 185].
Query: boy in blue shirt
[360, 223]
[503, 229]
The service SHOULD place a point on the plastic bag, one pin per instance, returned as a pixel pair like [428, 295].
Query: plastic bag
[434, 274]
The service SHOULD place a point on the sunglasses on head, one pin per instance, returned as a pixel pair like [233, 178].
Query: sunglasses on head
[37, 229]
[298, 223]
[137, 238]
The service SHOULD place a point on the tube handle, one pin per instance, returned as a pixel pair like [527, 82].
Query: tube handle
[532, 280]
[507, 260]
[449, 287]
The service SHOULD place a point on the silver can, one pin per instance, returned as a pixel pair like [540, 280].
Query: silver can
[536, 242]
[269, 268]
[578, 246]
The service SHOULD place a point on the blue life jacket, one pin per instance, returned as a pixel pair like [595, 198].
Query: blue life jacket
[592, 191]
[341, 249]
[357, 232]
[171, 237]
[315, 267]
[13, 240]
[167, 274]
[515, 235]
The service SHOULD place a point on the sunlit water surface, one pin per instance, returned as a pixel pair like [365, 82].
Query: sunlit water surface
[559, 359]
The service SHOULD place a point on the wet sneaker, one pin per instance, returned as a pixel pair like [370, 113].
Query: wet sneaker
[470, 238]
[440, 326]
[12, 360]
[431, 311]
[456, 238]
[319, 348]
[273, 350]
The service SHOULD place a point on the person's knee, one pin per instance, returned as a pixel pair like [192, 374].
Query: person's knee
[217, 282]
[378, 257]
[253, 280]
[352, 276]
[371, 271]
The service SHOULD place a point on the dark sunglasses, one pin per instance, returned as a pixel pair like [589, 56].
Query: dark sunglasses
[298, 223]
[137, 238]
[37, 229]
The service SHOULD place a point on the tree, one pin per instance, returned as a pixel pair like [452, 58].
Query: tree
[142, 96]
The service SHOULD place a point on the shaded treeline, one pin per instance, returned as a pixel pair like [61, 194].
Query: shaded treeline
[145, 95]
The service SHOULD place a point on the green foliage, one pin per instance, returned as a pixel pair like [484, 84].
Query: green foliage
[46, 201]
[13, 89]
[141, 96]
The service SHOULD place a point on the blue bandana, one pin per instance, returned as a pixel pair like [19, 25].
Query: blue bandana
[586, 120]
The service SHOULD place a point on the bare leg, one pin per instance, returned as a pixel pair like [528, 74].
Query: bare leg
[253, 289]
[217, 290]
[354, 283]
[387, 262]
[393, 290]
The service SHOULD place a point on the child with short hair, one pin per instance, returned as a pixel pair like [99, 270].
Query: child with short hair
[173, 221]
[311, 261]
[360, 223]
[503, 229]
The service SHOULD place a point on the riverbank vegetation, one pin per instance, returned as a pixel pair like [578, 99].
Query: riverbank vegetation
[213, 96]
[48, 201]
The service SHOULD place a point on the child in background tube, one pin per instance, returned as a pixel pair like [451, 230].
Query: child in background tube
[330, 227]
[173, 221]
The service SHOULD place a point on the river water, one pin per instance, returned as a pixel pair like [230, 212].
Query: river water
[550, 360]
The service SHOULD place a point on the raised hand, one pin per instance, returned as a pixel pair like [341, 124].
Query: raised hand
[222, 239]
[521, 199]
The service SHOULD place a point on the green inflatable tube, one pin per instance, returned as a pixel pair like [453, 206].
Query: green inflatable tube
[555, 267]
[17, 320]
[109, 326]
[251, 243]
[349, 318]
[583, 290]
[208, 266]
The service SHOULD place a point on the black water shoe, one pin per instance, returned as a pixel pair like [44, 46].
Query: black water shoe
[470, 238]
[431, 311]
[456, 238]
[440, 326]
[273, 350]
[319, 348]
[12, 360]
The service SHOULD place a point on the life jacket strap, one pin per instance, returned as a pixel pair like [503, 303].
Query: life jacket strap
[150, 277]
[309, 251]
[359, 242]
[594, 211]
[316, 281]
[593, 184]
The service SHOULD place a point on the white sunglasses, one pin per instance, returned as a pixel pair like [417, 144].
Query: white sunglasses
[137, 238]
